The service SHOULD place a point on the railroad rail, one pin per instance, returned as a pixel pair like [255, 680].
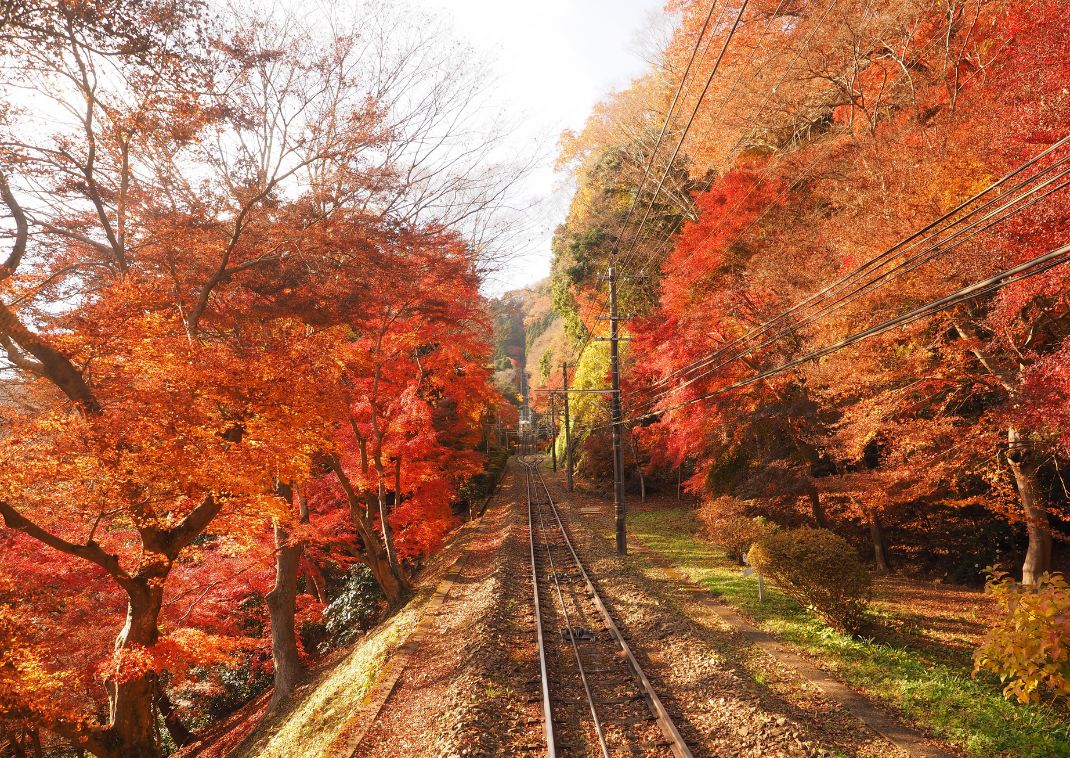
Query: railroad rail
[596, 700]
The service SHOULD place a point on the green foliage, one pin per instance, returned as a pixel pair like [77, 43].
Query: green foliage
[538, 326]
[587, 249]
[475, 491]
[508, 320]
[940, 696]
[819, 569]
[355, 609]
[564, 305]
[1029, 647]
[546, 365]
[237, 686]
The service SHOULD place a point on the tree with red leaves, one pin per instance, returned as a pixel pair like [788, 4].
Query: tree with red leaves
[211, 285]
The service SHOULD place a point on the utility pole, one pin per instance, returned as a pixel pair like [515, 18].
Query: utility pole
[568, 434]
[553, 433]
[615, 415]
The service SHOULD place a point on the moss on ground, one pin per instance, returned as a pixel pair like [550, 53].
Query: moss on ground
[321, 709]
[939, 697]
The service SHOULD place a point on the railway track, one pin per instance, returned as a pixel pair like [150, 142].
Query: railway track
[596, 700]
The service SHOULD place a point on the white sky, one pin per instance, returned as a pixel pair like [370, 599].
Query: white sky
[548, 63]
[552, 61]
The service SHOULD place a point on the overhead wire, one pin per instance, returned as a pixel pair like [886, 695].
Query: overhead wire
[875, 263]
[796, 327]
[672, 159]
[683, 135]
[864, 21]
[872, 267]
[686, 129]
[650, 161]
[799, 51]
[1030, 268]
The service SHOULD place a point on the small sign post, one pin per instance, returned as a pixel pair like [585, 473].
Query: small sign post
[758, 575]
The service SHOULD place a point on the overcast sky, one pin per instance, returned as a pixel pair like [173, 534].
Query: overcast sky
[552, 60]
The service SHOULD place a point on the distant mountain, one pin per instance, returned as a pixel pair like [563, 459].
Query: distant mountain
[528, 336]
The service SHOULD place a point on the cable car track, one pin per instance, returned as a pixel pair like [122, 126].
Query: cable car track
[595, 698]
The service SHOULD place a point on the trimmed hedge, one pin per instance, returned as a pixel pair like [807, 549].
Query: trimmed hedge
[819, 569]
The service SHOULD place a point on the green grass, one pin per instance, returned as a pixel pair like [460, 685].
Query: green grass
[941, 698]
[321, 711]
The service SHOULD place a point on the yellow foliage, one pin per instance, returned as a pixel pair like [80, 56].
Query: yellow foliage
[1029, 647]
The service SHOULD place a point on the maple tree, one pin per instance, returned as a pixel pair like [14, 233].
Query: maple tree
[219, 295]
[826, 135]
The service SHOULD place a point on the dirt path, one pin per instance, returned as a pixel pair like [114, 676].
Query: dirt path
[470, 686]
[463, 690]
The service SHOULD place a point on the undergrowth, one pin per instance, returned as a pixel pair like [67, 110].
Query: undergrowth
[939, 697]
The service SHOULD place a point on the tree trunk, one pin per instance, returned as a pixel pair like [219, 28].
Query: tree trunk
[178, 731]
[131, 723]
[393, 586]
[282, 607]
[639, 468]
[388, 532]
[880, 545]
[16, 745]
[392, 583]
[1024, 466]
[816, 508]
[315, 576]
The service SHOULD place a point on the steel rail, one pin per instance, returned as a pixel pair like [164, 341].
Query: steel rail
[568, 624]
[665, 724]
[547, 713]
[597, 722]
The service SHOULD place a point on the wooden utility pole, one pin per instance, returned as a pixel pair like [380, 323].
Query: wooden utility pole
[553, 433]
[568, 434]
[615, 416]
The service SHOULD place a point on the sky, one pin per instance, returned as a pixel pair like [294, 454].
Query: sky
[552, 61]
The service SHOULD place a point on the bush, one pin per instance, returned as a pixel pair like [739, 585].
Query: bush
[355, 609]
[724, 524]
[1029, 647]
[820, 570]
[474, 493]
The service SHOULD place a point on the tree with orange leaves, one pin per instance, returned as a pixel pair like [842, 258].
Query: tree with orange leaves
[185, 288]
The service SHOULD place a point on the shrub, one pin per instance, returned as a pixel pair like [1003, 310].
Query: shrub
[355, 609]
[820, 570]
[1029, 647]
[724, 524]
[474, 492]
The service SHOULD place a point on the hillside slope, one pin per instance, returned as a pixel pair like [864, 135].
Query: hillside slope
[528, 336]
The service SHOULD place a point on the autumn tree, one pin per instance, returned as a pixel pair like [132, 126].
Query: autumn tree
[193, 236]
[828, 135]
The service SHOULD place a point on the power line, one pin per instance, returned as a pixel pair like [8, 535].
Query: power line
[676, 151]
[650, 162]
[914, 263]
[934, 39]
[883, 258]
[667, 240]
[687, 128]
[1014, 274]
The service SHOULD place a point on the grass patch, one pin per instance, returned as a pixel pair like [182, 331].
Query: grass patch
[322, 708]
[940, 697]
